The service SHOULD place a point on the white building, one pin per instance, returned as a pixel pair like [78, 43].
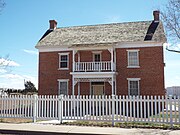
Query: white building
[2, 92]
[173, 91]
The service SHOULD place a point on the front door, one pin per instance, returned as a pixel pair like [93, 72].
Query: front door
[97, 88]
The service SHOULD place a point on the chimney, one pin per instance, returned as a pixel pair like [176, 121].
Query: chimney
[156, 15]
[53, 24]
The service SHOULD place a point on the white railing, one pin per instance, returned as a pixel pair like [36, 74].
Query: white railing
[93, 66]
[148, 109]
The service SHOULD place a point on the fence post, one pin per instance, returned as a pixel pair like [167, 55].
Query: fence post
[35, 97]
[170, 106]
[60, 108]
[113, 109]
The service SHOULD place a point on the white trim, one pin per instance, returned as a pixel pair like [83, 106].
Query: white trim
[130, 66]
[138, 44]
[60, 54]
[64, 53]
[132, 50]
[96, 52]
[133, 79]
[133, 66]
[63, 80]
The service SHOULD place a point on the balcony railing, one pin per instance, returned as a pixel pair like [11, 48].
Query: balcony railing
[93, 66]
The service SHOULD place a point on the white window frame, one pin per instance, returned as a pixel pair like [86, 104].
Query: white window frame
[60, 54]
[133, 79]
[63, 80]
[131, 66]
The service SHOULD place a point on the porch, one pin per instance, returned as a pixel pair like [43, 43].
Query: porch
[96, 83]
[95, 64]
[94, 60]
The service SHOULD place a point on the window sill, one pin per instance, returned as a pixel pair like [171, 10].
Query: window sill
[133, 66]
[63, 68]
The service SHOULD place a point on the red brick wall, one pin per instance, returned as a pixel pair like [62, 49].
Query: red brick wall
[151, 71]
[49, 73]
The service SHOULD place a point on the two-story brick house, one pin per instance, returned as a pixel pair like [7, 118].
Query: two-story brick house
[119, 58]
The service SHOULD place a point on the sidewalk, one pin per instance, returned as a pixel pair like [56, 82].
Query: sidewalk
[37, 128]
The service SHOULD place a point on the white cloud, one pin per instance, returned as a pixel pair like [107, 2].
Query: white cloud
[113, 19]
[3, 71]
[30, 51]
[172, 46]
[5, 62]
[16, 81]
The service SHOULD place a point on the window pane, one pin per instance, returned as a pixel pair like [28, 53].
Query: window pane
[63, 87]
[63, 57]
[97, 57]
[64, 64]
[63, 61]
[133, 88]
[133, 59]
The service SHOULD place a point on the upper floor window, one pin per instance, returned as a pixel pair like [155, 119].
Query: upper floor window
[133, 58]
[63, 60]
[133, 86]
[96, 56]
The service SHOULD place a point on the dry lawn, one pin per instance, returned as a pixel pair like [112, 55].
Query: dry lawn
[15, 120]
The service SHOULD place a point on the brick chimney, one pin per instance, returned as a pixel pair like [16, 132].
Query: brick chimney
[156, 15]
[53, 24]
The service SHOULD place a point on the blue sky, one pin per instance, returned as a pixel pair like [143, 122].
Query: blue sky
[23, 22]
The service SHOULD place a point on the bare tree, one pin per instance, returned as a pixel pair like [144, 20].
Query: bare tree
[2, 4]
[171, 18]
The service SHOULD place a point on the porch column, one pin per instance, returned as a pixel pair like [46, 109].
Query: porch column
[78, 88]
[112, 85]
[73, 85]
[115, 85]
[112, 59]
[78, 56]
[73, 60]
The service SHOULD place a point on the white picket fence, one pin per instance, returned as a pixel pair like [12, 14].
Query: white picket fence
[148, 109]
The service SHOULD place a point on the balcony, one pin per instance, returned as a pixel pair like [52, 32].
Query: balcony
[102, 66]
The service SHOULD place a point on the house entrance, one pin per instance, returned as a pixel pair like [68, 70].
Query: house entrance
[97, 88]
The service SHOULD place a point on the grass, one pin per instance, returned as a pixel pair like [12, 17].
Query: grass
[124, 125]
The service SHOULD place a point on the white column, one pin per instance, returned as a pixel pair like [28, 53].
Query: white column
[73, 85]
[115, 85]
[78, 56]
[112, 85]
[112, 59]
[73, 60]
[78, 88]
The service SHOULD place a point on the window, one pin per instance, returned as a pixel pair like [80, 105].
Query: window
[133, 86]
[63, 60]
[63, 87]
[133, 58]
[96, 56]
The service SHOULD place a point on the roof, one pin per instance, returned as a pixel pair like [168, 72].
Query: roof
[103, 34]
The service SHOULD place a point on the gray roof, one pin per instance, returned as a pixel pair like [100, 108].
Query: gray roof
[101, 34]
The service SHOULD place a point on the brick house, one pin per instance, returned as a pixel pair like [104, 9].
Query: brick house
[119, 58]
